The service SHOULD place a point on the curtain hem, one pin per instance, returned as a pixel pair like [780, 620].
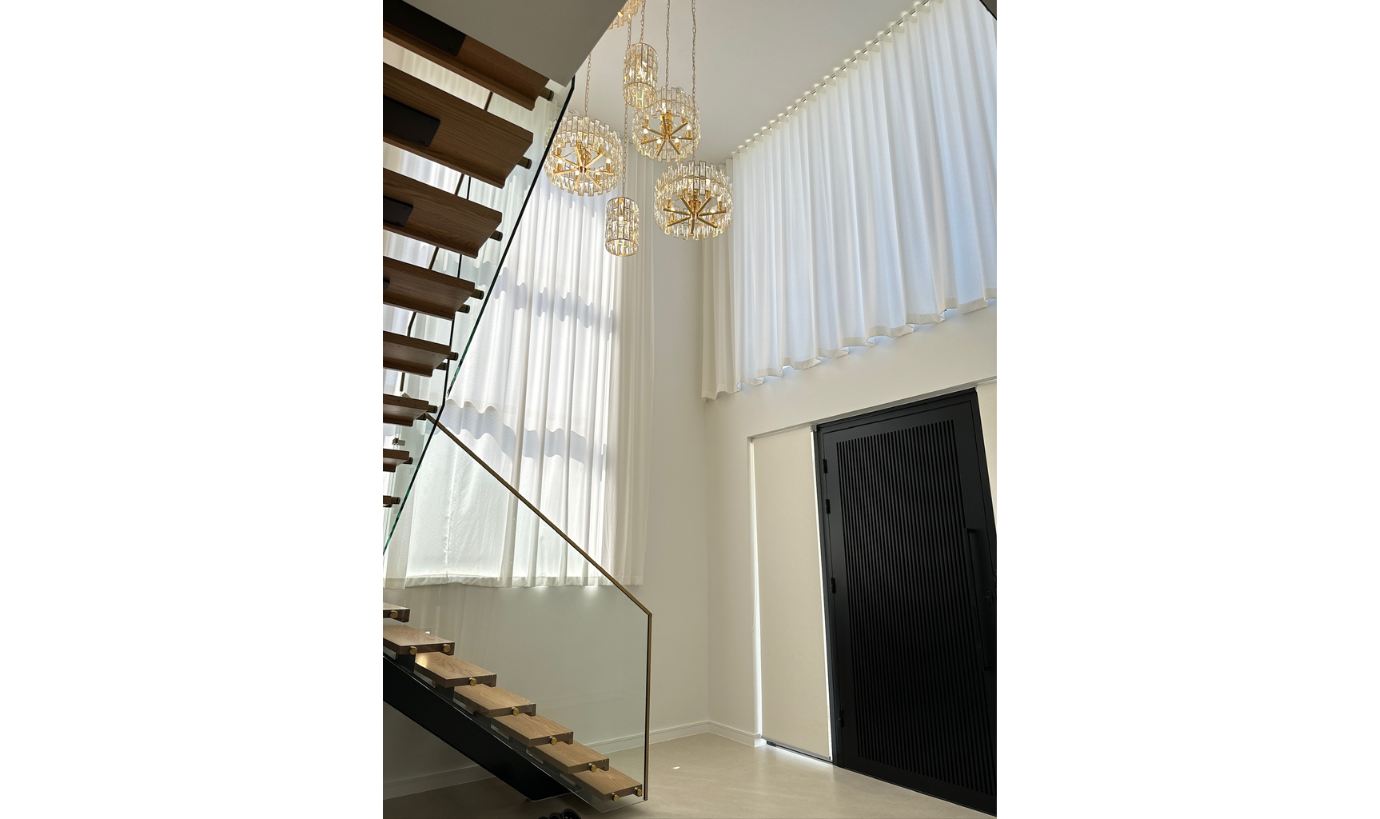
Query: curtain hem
[912, 321]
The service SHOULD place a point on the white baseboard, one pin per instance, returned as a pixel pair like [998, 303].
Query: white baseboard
[609, 746]
[735, 734]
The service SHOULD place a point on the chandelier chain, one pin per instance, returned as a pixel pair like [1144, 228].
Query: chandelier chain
[694, 72]
[642, 33]
[589, 62]
[627, 143]
[668, 43]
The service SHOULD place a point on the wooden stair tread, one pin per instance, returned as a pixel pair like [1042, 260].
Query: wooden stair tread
[439, 217]
[394, 458]
[530, 729]
[426, 291]
[404, 411]
[389, 500]
[402, 639]
[492, 701]
[448, 671]
[469, 139]
[607, 784]
[399, 613]
[476, 62]
[570, 757]
[414, 355]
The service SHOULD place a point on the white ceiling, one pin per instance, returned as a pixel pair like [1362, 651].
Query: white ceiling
[551, 37]
[755, 57]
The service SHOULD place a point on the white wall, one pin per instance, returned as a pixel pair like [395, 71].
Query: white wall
[676, 572]
[939, 358]
[790, 601]
[987, 412]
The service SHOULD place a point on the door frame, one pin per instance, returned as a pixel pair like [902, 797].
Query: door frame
[967, 396]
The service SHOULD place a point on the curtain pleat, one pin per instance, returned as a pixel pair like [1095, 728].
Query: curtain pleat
[869, 211]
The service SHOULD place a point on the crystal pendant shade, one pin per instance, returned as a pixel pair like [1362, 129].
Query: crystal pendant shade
[694, 200]
[639, 76]
[621, 226]
[586, 157]
[670, 126]
[630, 10]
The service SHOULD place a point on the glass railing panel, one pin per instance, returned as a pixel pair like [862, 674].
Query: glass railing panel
[479, 566]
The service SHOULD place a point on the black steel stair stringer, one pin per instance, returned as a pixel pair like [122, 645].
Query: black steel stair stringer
[418, 702]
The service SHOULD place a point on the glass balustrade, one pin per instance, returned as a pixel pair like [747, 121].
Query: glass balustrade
[478, 565]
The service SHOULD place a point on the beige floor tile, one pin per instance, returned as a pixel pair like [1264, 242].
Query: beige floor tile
[703, 777]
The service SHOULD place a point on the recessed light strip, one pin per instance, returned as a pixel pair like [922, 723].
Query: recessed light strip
[883, 36]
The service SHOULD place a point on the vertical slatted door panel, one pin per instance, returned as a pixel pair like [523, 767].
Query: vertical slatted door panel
[910, 665]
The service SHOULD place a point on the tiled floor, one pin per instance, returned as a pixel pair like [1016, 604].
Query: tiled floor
[702, 776]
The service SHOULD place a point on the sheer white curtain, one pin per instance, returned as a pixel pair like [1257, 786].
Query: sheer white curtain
[870, 210]
[555, 395]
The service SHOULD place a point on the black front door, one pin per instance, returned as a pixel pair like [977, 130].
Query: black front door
[910, 558]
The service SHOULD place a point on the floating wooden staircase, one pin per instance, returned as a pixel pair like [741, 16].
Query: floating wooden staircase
[457, 700]
[475, 690]
[424, 120]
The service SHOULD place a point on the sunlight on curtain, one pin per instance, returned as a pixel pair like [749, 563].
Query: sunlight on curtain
[555, 395]
[869, 211]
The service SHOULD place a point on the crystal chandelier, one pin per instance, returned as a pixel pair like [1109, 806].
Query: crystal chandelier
[694, 199]
[625, 16]
[670, 125]
[639, 70]
[586, 156]
[621, 220]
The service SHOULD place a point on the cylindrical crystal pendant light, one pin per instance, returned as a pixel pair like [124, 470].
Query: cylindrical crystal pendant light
[586, 156]
[621, 226]
[621, 220]
[639, 75]
[639, 69]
